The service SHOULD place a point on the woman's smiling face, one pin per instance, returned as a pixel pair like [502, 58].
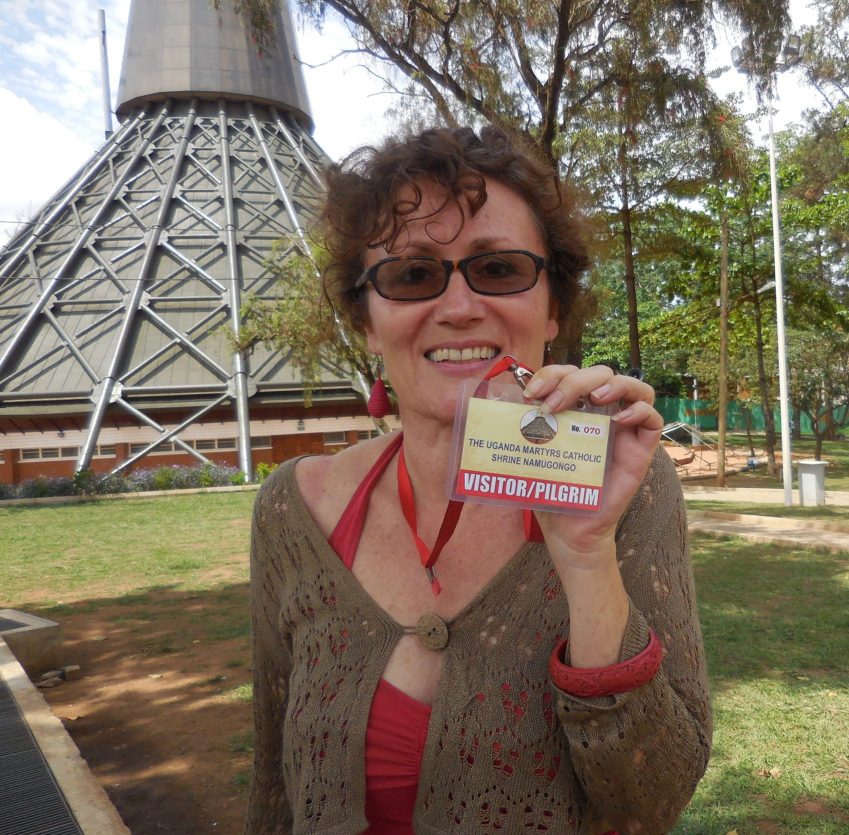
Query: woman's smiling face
[430, 347]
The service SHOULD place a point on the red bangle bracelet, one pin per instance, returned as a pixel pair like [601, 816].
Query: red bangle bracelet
[605, 681]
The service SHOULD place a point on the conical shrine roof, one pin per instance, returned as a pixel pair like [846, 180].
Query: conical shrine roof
[123, 291]
[184, 49]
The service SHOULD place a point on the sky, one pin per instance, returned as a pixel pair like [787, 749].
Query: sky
[51, 101]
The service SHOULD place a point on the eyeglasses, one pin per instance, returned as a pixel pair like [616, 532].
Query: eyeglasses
[413, 278]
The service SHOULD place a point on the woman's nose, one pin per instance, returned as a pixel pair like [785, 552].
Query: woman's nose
[459, 302]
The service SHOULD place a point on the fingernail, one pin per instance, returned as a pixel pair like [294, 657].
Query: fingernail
[533, 389]
[623, 415]
[553, 402]
[602, 391]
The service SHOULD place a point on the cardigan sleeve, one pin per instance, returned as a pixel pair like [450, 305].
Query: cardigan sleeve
[268, 806]
[640, 754]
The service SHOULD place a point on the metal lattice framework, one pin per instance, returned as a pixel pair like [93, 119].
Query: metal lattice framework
[120, 292]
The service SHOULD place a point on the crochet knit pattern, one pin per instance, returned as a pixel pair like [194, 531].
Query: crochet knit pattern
[506, 750]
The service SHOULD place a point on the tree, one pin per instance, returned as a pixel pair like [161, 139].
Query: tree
[820, 379]
[303, 326]
[532, 65]
[548, 69]
[827, 57]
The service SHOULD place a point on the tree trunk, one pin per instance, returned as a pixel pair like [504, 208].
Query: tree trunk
[628, 242]
[634, 357]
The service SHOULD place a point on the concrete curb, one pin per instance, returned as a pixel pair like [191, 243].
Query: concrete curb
[780, 523]
[85, 796]
[762, 529]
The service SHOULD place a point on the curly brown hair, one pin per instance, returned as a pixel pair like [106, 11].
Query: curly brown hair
[364, 206]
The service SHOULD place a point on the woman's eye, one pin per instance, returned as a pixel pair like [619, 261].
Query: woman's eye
[495, 268]
[415, 274]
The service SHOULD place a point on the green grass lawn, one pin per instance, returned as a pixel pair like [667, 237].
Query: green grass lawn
[836, 453]
[84, 550]
[825, 513]
[776, 629]
[775, 621]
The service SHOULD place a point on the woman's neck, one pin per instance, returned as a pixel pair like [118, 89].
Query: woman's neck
[427, 453]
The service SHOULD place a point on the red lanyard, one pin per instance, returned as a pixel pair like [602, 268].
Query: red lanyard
[429, 556]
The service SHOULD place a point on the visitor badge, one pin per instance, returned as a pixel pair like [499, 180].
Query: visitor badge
[509, 451]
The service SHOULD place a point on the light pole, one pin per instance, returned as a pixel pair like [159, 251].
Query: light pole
[744, 61]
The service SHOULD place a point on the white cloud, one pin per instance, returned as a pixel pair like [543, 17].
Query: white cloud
[36, 161]
[349, 104]
[50, 98]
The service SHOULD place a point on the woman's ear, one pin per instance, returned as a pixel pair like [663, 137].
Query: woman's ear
[551, 328]
[372, 341]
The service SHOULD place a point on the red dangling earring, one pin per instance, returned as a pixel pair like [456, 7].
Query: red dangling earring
[547, 359]
[378, 400]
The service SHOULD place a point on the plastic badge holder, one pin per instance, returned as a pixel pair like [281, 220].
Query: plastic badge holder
[506, 452]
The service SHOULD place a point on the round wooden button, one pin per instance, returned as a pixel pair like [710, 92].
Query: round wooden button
[432, 631]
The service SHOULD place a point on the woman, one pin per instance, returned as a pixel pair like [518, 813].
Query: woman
[552, 686]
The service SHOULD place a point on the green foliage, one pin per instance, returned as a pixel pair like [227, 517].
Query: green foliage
[302, 324]
[827, 58]
[165, 478]
[263, 471]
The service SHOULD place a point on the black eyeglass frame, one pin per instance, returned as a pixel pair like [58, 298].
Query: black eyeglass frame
[450, 266]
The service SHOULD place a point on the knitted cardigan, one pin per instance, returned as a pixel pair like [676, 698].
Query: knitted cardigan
[506, 750]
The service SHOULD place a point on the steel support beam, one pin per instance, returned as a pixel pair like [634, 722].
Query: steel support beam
[24, 329]
[131, 305]
[240, 363]
[358, 381]
[169, 434]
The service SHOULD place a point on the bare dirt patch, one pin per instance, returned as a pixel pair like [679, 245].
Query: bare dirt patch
[162, 711]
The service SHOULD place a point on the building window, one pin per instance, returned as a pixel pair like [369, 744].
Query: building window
[367, 436]
[204, 445]
[335, 439]
[104, 451]
[261, 442]
[163, 449]
[48, 452]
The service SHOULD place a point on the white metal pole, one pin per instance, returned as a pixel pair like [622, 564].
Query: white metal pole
[786, 463]
[104, 73]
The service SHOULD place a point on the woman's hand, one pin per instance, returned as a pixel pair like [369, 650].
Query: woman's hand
[583, 547]
[637, 432]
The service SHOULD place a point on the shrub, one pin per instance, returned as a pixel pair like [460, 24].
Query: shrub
[41, 487]
[165, 478]
[112, 484]
[263, 471]
[86, 482]
[206, 476]
[237, 478]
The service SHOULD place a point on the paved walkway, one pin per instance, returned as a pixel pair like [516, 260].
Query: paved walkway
[757, 495]
[807, 533]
